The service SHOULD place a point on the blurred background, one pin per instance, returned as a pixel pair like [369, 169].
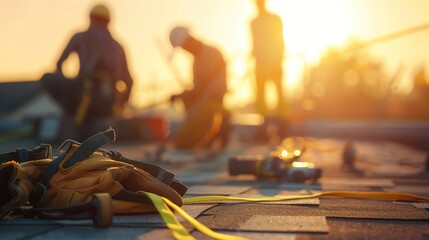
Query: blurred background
[349, 64]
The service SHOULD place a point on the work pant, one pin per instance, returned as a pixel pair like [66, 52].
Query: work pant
[263, 74]
[63, 90]
[205, 121]
[68, 94]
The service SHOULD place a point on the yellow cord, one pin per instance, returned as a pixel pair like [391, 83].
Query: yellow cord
[388, 196]
[179, 231]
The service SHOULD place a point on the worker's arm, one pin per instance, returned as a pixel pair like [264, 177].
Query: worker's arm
[71, 47]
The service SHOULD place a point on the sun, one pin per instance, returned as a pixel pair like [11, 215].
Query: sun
[311, 26]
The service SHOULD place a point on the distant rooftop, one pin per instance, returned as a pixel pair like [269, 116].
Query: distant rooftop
[15, 94]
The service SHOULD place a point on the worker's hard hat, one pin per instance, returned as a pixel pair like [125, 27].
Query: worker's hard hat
[178, 36]
[100, 11]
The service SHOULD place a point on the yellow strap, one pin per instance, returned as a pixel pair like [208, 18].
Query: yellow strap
[177, 229]
[388, 196]
[83, 107]
[201, 227]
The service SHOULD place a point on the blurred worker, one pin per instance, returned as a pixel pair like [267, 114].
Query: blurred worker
[103, 84]
[206, 117]
[268, 49]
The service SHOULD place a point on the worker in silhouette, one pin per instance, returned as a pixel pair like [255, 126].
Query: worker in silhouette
[268, 50]
[103, 84]
[206, 117]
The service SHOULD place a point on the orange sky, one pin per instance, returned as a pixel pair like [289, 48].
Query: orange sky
[35, 32]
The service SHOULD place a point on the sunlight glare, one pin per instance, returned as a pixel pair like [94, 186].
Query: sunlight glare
[303, 165]
[309, 28]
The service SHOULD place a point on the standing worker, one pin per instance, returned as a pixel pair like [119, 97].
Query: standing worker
[206, 118]
[103, 84]
[268, 50]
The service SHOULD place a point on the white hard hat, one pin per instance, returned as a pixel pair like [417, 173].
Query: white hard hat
[178, 36]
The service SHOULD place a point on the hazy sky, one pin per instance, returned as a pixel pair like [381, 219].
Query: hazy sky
[33, 34]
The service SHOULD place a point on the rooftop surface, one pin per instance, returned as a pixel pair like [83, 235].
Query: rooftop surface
[378, 166]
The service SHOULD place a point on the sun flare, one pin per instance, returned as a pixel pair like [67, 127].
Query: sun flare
[309, 28]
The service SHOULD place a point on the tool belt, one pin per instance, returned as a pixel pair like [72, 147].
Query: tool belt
[80, 182]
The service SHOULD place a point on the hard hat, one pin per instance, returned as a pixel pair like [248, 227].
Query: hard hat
[178, 36]
[100, 11]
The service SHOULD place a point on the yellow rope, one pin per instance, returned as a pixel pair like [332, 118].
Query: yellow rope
[393, 196]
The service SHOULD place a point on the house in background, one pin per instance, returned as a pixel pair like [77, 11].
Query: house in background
[26, 110]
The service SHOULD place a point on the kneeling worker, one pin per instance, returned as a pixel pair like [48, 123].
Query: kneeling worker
[206, 117]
